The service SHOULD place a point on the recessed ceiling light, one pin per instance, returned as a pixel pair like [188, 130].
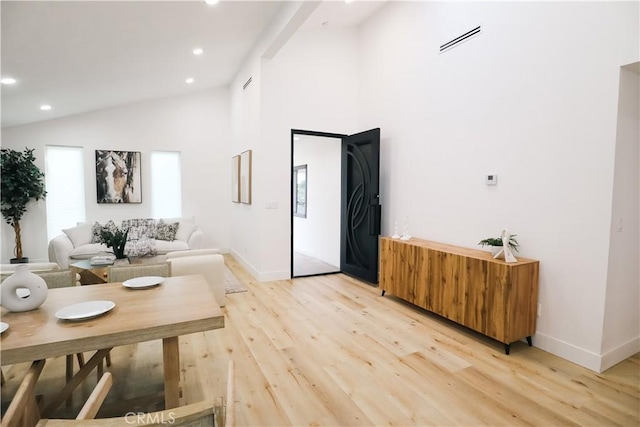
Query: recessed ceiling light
[190, 80]
[8, 81]
[45, 107]
[198, 51]
[211, 1]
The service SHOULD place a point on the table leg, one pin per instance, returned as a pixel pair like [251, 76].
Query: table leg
[171, 361]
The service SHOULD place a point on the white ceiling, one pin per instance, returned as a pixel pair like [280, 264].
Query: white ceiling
[81, 56]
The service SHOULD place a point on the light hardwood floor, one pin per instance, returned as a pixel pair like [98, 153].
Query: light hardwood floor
[330, 351]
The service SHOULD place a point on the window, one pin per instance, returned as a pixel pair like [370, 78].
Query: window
[166, 184]
[64, 178]
[300, 191]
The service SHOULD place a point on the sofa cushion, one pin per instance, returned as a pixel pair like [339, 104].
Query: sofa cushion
[166, 231]
[89, 250]
[80, 234]
[164, 246]
[184, 230]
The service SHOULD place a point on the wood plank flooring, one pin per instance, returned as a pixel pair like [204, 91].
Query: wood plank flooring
[330, 351]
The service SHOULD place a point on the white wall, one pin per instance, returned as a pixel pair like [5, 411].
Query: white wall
[311, 83]
[318, 235]
[197, 125]
[533, 99]
[621, 335]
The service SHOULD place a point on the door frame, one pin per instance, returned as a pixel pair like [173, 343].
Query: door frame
[295, 132]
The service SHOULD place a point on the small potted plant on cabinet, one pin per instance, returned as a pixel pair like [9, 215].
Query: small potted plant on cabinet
[22, 182]
[495, 243]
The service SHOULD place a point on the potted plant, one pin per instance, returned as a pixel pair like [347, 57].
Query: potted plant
[496, 243]
[115, 238]
[22, 181]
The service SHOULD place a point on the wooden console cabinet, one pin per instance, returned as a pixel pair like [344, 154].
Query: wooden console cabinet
[468, 286]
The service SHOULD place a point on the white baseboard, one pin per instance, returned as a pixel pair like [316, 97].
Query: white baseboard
[567, 351]
[261, 276]
[593, 361]
[619, 354]
[246, 264]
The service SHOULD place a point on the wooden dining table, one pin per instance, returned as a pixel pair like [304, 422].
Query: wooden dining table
[177, 306]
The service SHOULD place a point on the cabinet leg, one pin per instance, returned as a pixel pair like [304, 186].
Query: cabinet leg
[507, 347]
[383, 291]
[529, 341]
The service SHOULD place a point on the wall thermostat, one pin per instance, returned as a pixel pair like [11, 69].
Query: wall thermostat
[492, 180]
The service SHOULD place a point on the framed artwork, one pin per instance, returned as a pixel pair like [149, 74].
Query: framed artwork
[300, 191]
[118, 176]
[245, 177]
[235, 179]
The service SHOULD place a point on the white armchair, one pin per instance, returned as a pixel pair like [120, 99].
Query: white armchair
[210, 266]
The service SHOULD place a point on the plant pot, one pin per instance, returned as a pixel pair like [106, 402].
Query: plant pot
[23, 260]
[495, 250]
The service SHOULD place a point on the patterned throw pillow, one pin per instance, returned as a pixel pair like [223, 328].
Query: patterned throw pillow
[166, 231]
[96, 237]
[141, 247]
[140, 228]
[111, 226]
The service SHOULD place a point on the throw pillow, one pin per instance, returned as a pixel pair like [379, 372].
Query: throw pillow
[140, 247]
[184, 231]
[140, 228]
[111, 226]
[166, 231]
[80, 234]
[96, 228]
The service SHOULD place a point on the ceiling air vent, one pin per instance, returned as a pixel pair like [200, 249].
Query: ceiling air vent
[460, 39]
[247, 83]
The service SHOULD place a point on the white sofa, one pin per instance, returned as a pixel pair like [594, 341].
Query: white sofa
[74, 244]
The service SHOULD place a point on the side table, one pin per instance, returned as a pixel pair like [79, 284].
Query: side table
[94, 274]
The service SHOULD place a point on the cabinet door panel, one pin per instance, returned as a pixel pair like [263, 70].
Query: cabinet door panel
[476, 291]
[452, 301]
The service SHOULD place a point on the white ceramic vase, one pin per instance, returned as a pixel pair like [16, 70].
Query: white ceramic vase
[11, 293]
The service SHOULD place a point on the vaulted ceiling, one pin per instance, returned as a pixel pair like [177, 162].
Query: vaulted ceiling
[80, 56]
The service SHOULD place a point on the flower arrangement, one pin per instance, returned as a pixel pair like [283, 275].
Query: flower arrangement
[114, 237]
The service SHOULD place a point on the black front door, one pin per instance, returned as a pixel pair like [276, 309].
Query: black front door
[360, 219]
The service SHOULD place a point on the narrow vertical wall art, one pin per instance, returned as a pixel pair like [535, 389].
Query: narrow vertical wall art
[235, 179]
[245, 177]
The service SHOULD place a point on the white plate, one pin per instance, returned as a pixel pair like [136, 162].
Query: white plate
[85, 310]
[143, 282]
[3, 327]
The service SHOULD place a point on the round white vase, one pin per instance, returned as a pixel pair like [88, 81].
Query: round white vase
[22, 278]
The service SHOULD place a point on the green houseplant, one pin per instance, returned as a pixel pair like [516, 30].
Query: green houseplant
[115, 238]
[497, 241]
[21, 182]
